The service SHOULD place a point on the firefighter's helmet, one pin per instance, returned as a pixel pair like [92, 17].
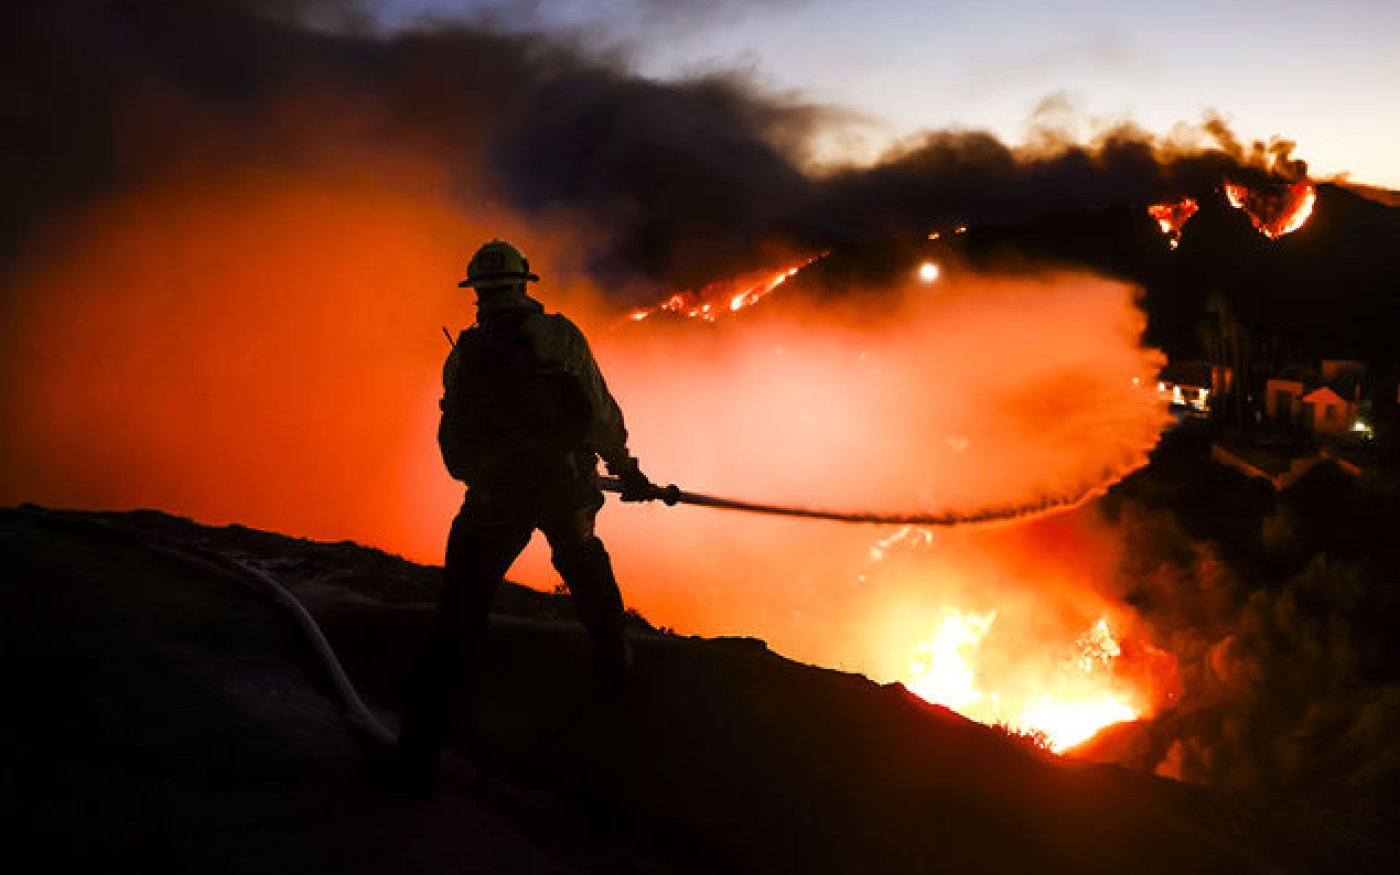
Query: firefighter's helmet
[497, 264]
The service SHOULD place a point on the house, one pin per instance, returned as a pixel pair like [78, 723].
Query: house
[1283, 395]
[1191, 384]
[1325, 404]
[1325, 411]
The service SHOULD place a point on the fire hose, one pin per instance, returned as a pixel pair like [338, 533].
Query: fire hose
[673, 494]
[208, 561]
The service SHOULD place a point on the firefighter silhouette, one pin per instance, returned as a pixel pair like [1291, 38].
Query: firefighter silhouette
[525, 416]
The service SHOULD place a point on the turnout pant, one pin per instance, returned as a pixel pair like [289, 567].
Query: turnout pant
[486, 538]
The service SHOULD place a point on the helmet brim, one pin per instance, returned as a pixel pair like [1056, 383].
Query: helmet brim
[494, 282]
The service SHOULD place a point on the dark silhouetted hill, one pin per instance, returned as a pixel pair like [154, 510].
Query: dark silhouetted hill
[158, 718]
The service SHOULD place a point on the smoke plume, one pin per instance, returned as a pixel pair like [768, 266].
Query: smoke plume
[679, 181]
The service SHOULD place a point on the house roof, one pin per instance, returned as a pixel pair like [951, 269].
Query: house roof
[1324, 392]
[1345, 384]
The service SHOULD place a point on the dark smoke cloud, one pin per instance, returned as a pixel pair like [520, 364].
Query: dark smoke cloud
[680, 180]
[1281, 611]
[106, 94]
[601, 17]
[972, 176]
[686, 173]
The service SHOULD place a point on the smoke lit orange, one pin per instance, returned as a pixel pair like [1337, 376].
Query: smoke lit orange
[253, 351]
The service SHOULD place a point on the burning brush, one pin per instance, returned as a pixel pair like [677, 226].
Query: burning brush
[1274, 210]
[718, 299]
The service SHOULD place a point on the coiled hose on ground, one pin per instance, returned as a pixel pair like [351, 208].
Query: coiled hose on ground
[357, 713]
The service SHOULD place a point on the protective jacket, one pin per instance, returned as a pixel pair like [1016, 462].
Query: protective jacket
[524, 400]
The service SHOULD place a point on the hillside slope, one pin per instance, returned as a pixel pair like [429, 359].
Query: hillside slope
[164, 718]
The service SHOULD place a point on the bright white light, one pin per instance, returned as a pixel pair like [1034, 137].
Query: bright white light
[928, 272]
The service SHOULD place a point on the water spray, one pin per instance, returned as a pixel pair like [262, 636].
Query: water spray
[673, 494]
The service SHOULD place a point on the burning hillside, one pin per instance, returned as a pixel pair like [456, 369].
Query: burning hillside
[719, 299]
[1274, 211]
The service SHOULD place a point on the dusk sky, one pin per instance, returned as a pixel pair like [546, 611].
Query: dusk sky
[1324, 76]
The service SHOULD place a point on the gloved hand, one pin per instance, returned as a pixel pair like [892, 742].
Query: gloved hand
[636, 486]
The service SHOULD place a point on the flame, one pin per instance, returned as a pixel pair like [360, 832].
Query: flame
[1172, 217]
[1074, 698]
[1068, 724]
[710, 302]
[1277, 211]
[942, 666]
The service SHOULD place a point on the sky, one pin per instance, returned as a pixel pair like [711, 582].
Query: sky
[1322, 75]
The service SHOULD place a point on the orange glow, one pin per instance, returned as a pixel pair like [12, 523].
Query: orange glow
[265, 348]
[1277, 211]
[1067, 724]
[1172, 218]
[941, 668]
[252, 349]
[1074, 697]
[957, 400]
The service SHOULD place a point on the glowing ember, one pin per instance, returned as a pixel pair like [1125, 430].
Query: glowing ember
[729, 296]
[1066, 704]
[1097, 647]
[1276, 211]
[1172, 217]
[905, 534]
